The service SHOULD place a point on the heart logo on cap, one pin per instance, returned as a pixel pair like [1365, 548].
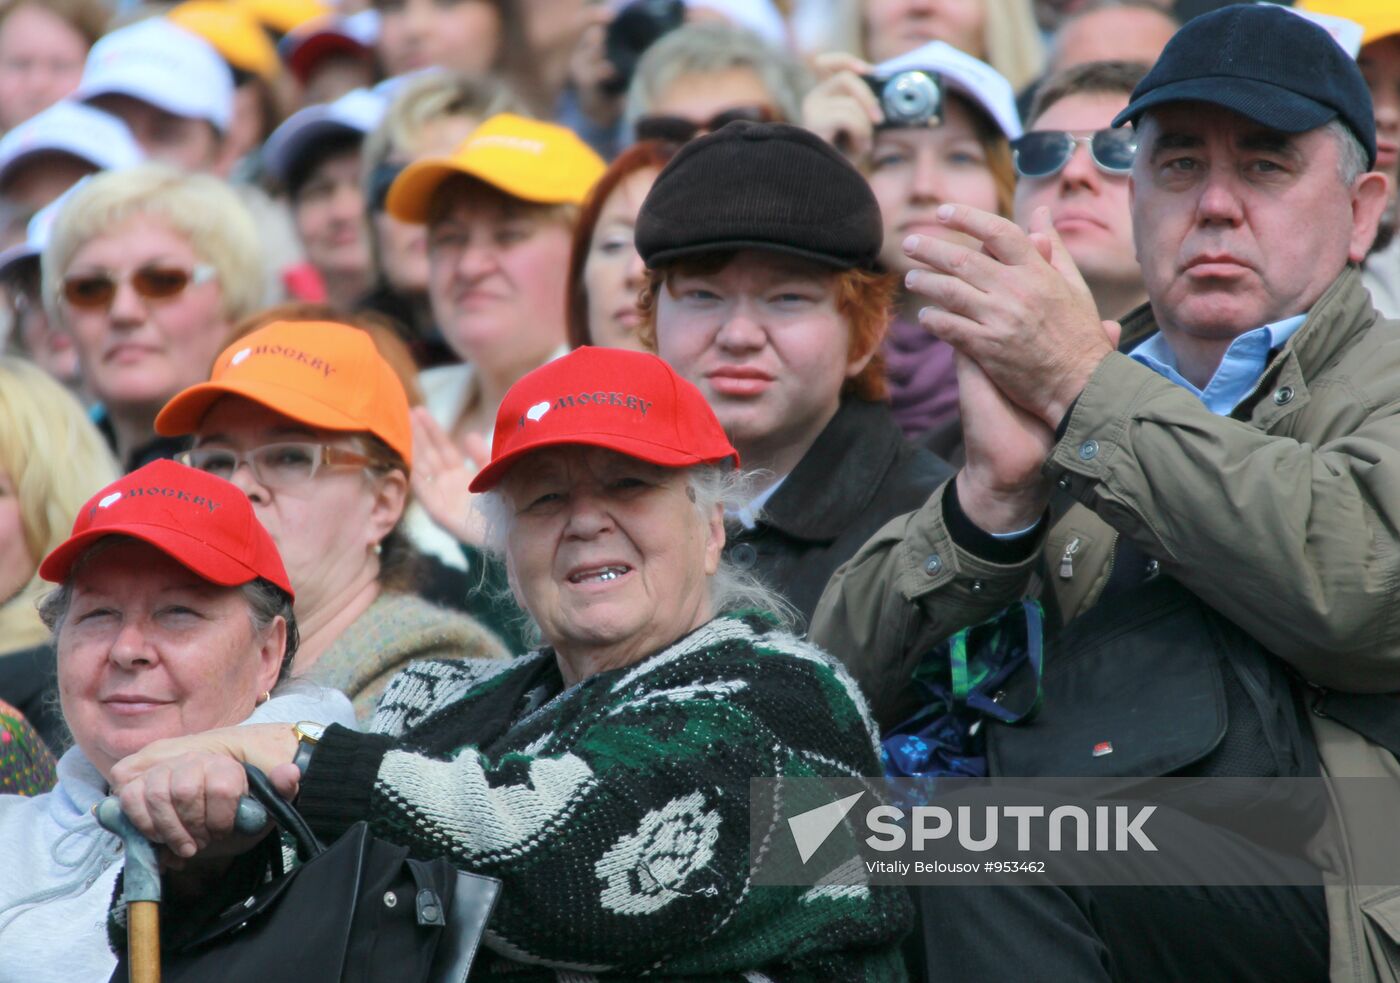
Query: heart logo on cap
[537, 411]
[108, 499]
[240, 356]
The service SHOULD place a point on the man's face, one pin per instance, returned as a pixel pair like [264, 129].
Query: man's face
[185, 142]
[1238, 225]
[1088, 206]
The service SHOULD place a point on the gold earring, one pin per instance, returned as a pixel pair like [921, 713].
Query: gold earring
[267, 695]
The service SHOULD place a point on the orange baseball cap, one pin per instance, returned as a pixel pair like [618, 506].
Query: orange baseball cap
[630, 402]
[284, 15]
[202, 522]
[525, 158]
[319, 373]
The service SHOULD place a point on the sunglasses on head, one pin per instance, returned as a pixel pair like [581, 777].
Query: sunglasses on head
[95, 291]
[1042, 153]
[678, 129]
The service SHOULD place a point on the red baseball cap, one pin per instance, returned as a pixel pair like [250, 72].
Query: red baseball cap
[630, 402]
[200, 521]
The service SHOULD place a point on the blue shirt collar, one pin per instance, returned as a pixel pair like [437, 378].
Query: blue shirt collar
[1244, 362]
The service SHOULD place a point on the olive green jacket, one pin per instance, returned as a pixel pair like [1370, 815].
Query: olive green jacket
[1284, 516]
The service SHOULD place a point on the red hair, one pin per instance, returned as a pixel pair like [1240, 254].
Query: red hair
[638, 157]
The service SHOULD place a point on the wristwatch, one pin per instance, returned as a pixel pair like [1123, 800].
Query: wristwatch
[308, 734]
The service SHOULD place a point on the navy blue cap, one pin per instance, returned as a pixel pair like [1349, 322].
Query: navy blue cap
[1265, 63]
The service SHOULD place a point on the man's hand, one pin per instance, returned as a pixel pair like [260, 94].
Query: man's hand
[1028, 322]
[1000, 488]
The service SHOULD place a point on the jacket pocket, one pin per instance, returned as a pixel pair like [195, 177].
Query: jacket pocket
[1383, 933]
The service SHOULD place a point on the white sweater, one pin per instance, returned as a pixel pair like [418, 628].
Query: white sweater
[63, 866]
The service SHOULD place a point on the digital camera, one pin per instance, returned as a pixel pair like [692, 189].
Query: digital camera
[909, 99]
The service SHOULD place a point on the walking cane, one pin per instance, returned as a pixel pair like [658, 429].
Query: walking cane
[141, 882]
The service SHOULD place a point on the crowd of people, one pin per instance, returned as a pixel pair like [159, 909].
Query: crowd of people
[519, 424]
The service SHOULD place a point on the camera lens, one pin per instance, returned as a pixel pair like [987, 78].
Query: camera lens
[910, 99]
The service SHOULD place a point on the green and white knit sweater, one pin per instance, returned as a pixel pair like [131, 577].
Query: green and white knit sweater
[616, 811]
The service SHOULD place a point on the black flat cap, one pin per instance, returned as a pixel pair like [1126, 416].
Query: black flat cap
[763, 186]
[1265, 63]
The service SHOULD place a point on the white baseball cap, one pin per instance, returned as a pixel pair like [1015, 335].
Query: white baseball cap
[975, 80]
[167, 66]
[36, 233]
[357, 112]
[70, 128]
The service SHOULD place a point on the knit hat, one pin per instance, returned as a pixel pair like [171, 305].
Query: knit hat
[630, 402]
[767, 186]
[202, 522]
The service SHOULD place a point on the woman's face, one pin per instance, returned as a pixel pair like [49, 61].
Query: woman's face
[497, 274]
[614, 273]
[894, 27]
[609, 554]
[151, 650]
[763, 339]
[139, 352]
[17, 564]
[329, 213]
[463, 35]
[325, 527]
[41, 61]
[913, 171]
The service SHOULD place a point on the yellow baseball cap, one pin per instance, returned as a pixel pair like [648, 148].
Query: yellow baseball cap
[525, 158]
[283, 15]
[233, 32]
[1378, 18]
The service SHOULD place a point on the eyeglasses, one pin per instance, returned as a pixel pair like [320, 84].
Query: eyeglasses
[279, 465]
[95, 291]
[678, 129]
[1042, 153]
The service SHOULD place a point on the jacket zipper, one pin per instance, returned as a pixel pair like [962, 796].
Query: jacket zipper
[1067, 558]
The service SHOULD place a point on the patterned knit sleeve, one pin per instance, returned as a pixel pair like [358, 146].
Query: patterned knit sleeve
[27, 766]
[619, 823]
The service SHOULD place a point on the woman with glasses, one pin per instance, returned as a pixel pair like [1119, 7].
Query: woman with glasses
[704, 75]
[312, 424]
[928, 128]
[148, 268]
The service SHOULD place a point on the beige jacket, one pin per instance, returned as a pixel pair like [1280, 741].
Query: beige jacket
[1284, 516]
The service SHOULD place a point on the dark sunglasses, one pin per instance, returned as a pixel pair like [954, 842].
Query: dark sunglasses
[1042, 153]
[95, 291]
[678, 129]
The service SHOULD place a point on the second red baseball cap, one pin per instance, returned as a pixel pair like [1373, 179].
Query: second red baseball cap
[630, 402]
[202, 522]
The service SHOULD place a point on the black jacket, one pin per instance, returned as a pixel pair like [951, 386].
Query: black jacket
[859, 474]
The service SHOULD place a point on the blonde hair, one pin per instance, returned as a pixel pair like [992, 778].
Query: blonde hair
[1014, 46]
[56, 460]
[200, 207]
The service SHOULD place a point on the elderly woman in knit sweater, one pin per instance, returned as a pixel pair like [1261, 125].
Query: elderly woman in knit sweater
[311, 422]
[173, 615]
[604, 777]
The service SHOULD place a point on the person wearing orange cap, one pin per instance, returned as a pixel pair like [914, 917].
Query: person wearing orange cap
[312, 424]
[172, 615]
[500, 213]
[604, 778]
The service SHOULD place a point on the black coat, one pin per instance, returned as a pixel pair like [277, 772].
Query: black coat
[859, 474]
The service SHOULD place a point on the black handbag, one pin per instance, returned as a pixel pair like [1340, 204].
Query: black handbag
[359, 911]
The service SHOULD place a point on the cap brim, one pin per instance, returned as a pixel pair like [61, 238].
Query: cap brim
[1263, 103]
[156, 96]
[657, 259]
[279, 157]
[182, 415]
[644, 450]
[412, 191]
[199, 557]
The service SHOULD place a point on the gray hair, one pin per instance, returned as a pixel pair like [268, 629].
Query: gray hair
[706, 47]
[1351, 156]
[708, 485]
[266, 602]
